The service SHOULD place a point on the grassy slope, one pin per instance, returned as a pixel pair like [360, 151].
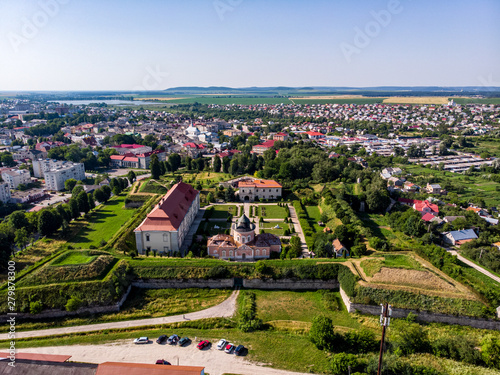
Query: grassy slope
[105, 222]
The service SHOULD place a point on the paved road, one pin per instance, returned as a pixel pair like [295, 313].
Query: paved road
[224, 310]
[474, 265]
[298, 230]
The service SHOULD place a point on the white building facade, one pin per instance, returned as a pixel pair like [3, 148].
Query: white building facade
[166, 226]
[55, 178]
[4, 192]
[16, 177]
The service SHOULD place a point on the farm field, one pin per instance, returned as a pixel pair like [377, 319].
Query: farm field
[104, 223]
[475, 186]
[416, 100]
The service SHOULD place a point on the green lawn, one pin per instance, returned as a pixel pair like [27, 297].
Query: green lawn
[73, 257]
[269, 227]
[314, 217]
[210, 226]
[153, 187]
[104, 223]
[272, 212]
[221, 211]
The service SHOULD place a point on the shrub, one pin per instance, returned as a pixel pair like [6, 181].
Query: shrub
[321, 333]
[73, 304]
[247, 319]
[36, 307]
[342, 363]
[348, 281]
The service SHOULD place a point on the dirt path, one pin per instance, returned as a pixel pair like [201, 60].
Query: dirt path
[216, 362]
[224, 309]
[474, 265]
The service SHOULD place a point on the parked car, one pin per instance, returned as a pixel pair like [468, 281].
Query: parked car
[203, 344]
[173, 339]
[221, 344]
[229, 348]
[162, 362]
[161, 339]
[184, 341]
[141, 340]
[239, 350]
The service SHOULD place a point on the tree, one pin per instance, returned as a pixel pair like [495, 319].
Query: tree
[234, 167]
[21, 238]
[217, 163]
[7, 160]
[321, 333]
[73, 208]
[83, 202]
[295, 247]
[226, 163]
[70, 184]
[73, 304]
[377, 199]
[107, 192]
[76, 190]
[47, 222]
[229, 194]
[99, 195]
[175, 161]
[210, 198]
[131, 176]
[90, 198]
[155, 167]
[18, 220]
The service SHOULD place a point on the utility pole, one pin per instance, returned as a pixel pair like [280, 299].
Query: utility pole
[385, 319]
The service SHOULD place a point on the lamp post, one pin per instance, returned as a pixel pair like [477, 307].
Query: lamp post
[385, 319]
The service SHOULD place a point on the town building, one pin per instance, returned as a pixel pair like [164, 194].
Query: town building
[263, 147]
[459, 237]
[339, 249]
[251, 189]
[16, 177]
[139, 161]
[55, 177]
[433, 188]
[243, 244]
[166, 226]
[4, 192]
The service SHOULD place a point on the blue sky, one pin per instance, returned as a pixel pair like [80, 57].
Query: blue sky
[156, 44]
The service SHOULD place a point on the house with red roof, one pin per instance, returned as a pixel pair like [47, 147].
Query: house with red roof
[315, 135]
[140, 161]
[166, 226]
[423, 207]
[280, 137]
[263, 147]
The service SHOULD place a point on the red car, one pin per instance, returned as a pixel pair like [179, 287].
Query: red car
[203, 344]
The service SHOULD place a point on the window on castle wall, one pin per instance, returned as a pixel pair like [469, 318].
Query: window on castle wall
[230, 253]
[147, 237]
[224, 253]
[249, 239]
[264, 252]
[257, 252]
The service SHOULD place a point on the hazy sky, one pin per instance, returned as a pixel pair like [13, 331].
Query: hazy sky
[156, 44]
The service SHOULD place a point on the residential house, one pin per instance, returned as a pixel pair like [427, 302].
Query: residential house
[280, 137]
[339, 249]
[433, 188]
[4, 192]
[451, 219]
[56, 177]
[16, 177]
[263, 147]
[459, 237]
[410, 187]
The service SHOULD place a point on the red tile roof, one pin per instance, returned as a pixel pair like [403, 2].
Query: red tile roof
[259, 184]
[169, 213]
[428, 217]
[421, 205]
[266, 144]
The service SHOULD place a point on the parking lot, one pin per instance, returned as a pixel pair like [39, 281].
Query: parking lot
[216, 362]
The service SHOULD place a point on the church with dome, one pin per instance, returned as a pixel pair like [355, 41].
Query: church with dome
[243, 243]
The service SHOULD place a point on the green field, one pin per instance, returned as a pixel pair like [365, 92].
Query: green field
[272, 212]
[476, 100]
[104, 223]
[359, 101]
[269, 227]
[221, 212]
[73, 257]
[475, 186]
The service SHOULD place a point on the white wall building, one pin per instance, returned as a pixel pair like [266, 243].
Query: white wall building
[16, 177]
[167, 225]
[55, 178]
[4, 192]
